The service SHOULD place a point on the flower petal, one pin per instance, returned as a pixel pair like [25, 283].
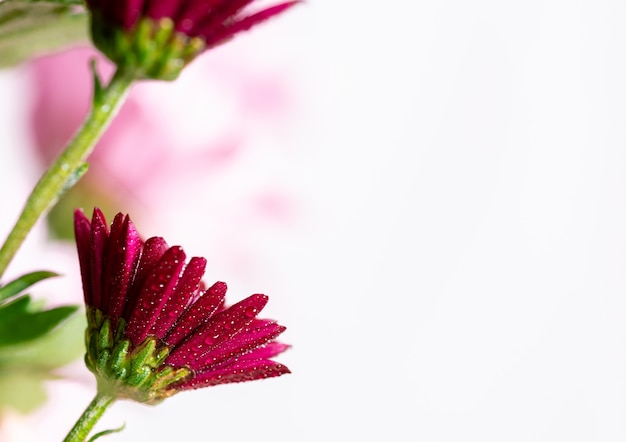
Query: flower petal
[158, 287]
[215, 32]
[82, 232]
[123, 12]
[220, 12]
[153, 250]
[111, 259]
[243, 343]
[99, 239]
[123, 262]
[268, 350]
[157, 10]
[217, 330]
[198, 313]
[193, 12]
[238, 372]
[184, 292]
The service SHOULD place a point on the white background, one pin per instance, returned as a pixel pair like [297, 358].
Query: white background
[457, 268]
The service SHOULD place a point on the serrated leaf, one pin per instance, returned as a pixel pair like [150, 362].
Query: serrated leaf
[20, 284]
[32, 325]
[29, 29]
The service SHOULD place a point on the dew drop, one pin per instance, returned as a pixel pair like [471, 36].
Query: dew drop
[163, 277]
[251, 312]
[155, 286]
[146, 304]
[210, 340]
[186, 24]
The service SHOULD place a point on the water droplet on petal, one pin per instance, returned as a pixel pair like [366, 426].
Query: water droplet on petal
[186, 24]
[210, 340]
[251, 312]
[156, 286]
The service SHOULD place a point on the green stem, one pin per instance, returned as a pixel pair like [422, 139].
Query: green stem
[88, 419]
[67, 167]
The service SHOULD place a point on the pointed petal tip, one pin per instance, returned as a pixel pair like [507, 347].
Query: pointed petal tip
[200, 261]
[219, 288]
[80, 220]
[261, 297]
[177, 250]
[260, 300]
[97, 213]
[79, 212]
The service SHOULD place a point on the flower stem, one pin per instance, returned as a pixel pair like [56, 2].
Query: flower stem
[88, 419]
[70, 164]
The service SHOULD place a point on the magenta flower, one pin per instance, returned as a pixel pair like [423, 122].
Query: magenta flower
[153, 330]
[156, 38]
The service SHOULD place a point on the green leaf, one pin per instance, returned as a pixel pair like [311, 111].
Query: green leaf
[107, 432]
[24, 367]
[15, 309]
[20, 284]
[29, 28]
[58, 347]
[22, 326]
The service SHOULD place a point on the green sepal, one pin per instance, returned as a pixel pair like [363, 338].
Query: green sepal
[141, 355]
[105, 335]
[20, 284]
[139, 376]
[98, 89]
[152, 49]
[102, 363]
[126, 371]
[168, 376]
[120, 363]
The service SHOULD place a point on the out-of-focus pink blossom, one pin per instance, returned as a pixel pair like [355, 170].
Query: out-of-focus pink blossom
[196, 141]
[135, 150]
